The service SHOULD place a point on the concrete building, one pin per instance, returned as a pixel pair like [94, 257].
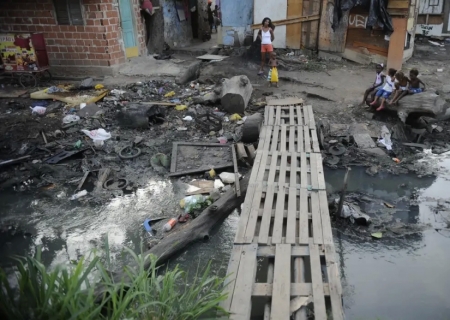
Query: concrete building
[434, 18]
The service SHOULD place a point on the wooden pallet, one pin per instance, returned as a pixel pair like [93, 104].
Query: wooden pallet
[294, 115]
[283, 251]
[290, 138]
[277, 274]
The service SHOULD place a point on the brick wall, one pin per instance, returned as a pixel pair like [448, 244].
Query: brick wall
[96, 43]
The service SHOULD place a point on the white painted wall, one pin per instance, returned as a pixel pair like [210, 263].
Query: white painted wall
[431, 6]
[275, 10]
[429, 29]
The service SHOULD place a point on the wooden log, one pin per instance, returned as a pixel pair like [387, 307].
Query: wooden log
[102, 177]
[252, 128]
[236, 93]
[190, 232]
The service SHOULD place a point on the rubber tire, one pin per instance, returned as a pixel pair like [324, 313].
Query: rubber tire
[132, 156]
[28, 80]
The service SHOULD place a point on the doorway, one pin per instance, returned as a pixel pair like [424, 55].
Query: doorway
[128, 30]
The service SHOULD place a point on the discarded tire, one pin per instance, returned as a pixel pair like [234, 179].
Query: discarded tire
[129, 153]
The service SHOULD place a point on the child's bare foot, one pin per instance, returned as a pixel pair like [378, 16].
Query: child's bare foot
[380, 108]
[373, 103]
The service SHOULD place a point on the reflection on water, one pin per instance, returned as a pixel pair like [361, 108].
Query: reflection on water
[400, 278]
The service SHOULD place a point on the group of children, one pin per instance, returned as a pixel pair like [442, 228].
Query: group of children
[396, 85]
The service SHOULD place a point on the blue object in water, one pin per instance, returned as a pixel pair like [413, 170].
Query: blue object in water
[147, 226]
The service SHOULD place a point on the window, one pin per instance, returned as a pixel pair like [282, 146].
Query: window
[68, 12]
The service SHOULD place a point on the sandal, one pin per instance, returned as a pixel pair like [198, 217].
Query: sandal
[183, 218]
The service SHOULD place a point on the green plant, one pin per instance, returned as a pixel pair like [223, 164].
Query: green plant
[73, 292]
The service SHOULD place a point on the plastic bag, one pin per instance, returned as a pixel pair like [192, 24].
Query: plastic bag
[169, 94]
[196, 202]
[38, 110]
[71, 118]
[274, 75]
[99, 136]
[180, 107]
[235, 117]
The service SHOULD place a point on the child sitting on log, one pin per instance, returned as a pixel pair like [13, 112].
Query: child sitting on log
[401, 87]
[414, 84]
[386, 91]
[379, 80]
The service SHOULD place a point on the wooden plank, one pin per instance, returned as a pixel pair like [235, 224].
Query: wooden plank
[300, 140]
[320, 175]
[266, 138]
[273, 167]
[283, 167]
[313, 170]
[211, 57]
[276, 132]
[334, 283]
[307, 139]
[188, 172]
[285, 102]
[294, 31]
[296, 251]
[306, 115]
[173, 164]
[237, 185]
[296, 289]
[230, 282]
[266, 115]
[316, 219]
[299, 115]
[370, 46]
[253, 218]
[278, 116]
[325, 215]
[303, 172]
[312, 122]
[255, 179]
[271, 116]
[240, 148]
[303, 225]
[241, 303]
[291, 115]
[292, 216]
[289, 21]
[277, 233]
[283, 139]
[395, 53]
[292, 139]
[398, 4]
[317, 283]
[281, 283]
[263, 236]
[293, 171]
[315, 141]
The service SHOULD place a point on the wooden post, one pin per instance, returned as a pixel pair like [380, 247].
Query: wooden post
[344, 189]
[397, 43]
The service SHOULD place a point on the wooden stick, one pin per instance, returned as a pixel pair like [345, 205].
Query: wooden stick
[236, 173]
[292, 20]
[344, 189]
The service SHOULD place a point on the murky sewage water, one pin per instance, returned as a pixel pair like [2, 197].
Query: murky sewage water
[405, 277]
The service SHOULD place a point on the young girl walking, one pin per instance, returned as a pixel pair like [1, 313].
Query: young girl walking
[266, 36]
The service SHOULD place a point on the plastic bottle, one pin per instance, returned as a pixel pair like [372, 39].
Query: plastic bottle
[191, 203]
[79, 195]
[169, 225]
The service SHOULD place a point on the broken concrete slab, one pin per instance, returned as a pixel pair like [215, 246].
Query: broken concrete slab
[376, 152]
[364, 141]
[192, 72]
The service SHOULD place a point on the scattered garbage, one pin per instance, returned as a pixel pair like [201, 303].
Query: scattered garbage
[71, 118]
[396, 160]
[79, 195]
[54, 89]
[77, 144]
[182, 129]
[353, 212]
[160, 162]
[88, 110]
[387, 204]
[196, 202]
[188, 118]
[377, 235]
[148, 227]
[222, 140]
[169, 94]
[228, 178]
[169, 225]
[117, 92]
[128, 153]
[82, 105]
[218, 184]
[98, 136]
[87, 83]
[180, 107]
[99, 86]
[38, 110]
[386, 138]
[212, 173]
[235, 117]
[209, 122]
[337, 149]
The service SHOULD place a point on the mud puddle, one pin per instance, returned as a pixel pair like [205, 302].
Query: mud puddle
[401, 277]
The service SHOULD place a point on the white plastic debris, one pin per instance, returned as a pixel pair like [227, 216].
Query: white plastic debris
[227, 177]
[79, 195]
[38, 110]
[188, 118]
[82, 105]
[218, 184]
[98, 135]
[386, 138]
[71, 118]
[117, 92]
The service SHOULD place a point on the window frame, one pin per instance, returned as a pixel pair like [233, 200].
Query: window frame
[71, 21]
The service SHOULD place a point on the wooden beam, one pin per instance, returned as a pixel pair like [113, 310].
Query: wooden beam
[294, 31]
[289, 21]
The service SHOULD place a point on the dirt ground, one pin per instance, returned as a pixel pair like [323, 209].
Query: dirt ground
[334, 89]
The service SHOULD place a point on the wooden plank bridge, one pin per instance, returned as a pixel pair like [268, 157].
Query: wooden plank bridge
[283, 256]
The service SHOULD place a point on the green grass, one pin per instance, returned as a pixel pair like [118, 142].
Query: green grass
[68, 292]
